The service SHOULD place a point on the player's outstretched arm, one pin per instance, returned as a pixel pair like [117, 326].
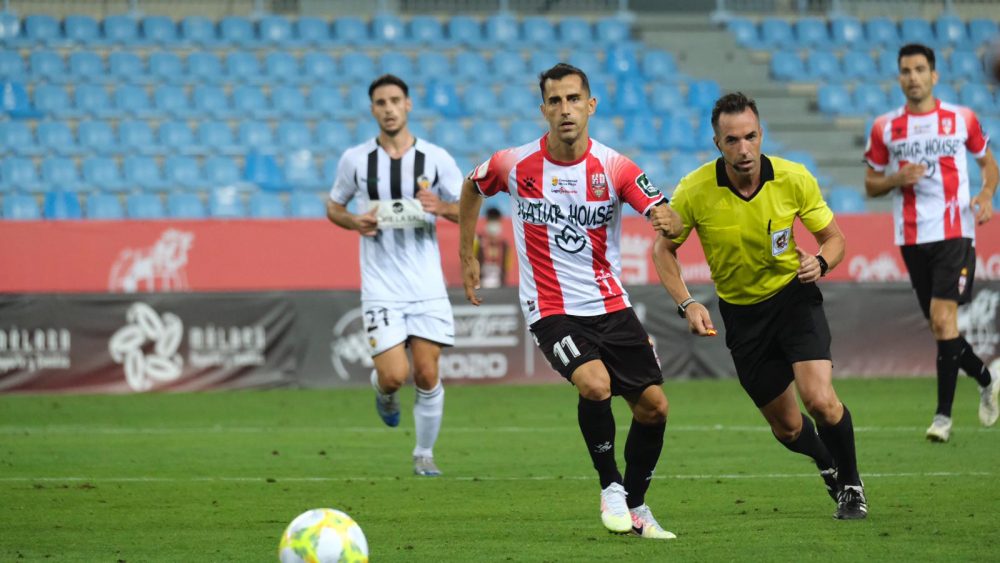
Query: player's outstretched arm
[366, 223]
[468, 216]
[669, 270]
[982, 203]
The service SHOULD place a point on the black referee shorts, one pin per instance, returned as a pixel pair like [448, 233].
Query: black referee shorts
[766, 338]
[618, 339]
[944, 269]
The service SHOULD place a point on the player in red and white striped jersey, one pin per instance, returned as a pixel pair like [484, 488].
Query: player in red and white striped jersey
[918, 153]
[567, 192]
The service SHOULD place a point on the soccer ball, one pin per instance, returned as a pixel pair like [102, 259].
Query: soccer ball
[323, 535]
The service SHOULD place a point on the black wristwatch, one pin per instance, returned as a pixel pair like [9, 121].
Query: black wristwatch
[823, 266]
[683, 305]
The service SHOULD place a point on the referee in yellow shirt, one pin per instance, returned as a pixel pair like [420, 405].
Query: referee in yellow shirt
[743, 206]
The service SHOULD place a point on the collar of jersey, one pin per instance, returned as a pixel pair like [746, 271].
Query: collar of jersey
[722, 179]
[937, 106]
[379, 145]
[550, 158]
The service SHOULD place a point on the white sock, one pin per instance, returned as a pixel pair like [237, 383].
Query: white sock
[427, 413]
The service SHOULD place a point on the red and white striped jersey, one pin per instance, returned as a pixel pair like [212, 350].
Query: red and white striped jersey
[936, 207]
[567, 224]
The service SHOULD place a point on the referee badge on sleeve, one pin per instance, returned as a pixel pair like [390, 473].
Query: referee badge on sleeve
[779, 241]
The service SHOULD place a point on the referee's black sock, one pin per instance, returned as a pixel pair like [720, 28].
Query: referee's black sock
[839, 439]
[808, 443]
[949, 352]
[597, 423]
[972, 365]
[642, 451]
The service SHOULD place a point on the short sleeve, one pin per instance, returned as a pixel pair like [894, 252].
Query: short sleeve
[681, 203]
[633, 186]
[977, 139]
[813, 211]
[490, 177]
[449, 179]
[876, 153]
[344, 185]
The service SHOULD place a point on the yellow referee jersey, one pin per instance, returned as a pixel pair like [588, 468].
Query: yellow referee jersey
[748, 242]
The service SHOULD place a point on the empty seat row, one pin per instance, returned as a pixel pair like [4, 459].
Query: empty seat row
[870, 99]
[270, 31]
[850, 32]
[221, 203]
[824, 65]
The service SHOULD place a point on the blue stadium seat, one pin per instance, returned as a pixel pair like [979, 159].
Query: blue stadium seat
[501, 30]
[324, 101]
[312, 32]
[357, 66]
[703, 93]
[823, 66]
[46, 66]
[19, 174]
[745, 32]
[184, 172]
[946, 92]
[387, 29]
[172, 101]
[896, 98]
[250, 101]
[11, 65]
[888, 64]
[242, 67]
[288, 101]
[845, 199]
[659, 65]
[681, 164]
[356, 103]
[159, 30]
[508, 65]
[776, 33]
[145, 206]
[166, 67]
[42, 29]
[82, 30]
[518, 101]
[237, 31]
[678, 133]
[266, 205]
[977, 96]
[221, 171]
[882, 32]
[86, 66]
[204, 67]
[966, 65]
[256, 135]
[643, 132]
[538, 31]
[294, 136]
[55, 137]
[451, 135]
[479, 100]
[142, 172]
[102, 173]
[177, 137]
[917, 30]
[983, 30]
[666, 98]
[834, 99]
[611, 31]
[630, 99]
[52, 100]
[847, 32]
[488, 136]
[575, 31]
[103, 207]
[282, 68]
[262, 171]
[332, 136]
[471, 65]
[349, 30]
[522, 131]
[811, 32]
[859, 65]
[10, 29]
[319, 68]
[198, 31]
[124, 66]
[542, 61]
[426, 31]
[15, 103]
[212, 101]
[133, 101]
[950, 30]
[93, 100]
[97, 137]
[19, 207]
[870, 99]
[304, 205]
[465, 30]
[589, 63]
[442, 98]
[137, 137]
[120, 30]
[606, 131]
[399, 64]
[433, 65]
[300, 172]
[330, 171]
[61, 204]
[60, 173]
[275, 31]
[185, 206]
[622, 60]
[655, 169]
[787, 65]
[16, 137]
[225, 203]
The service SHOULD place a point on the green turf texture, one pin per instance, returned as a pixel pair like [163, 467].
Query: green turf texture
[217, 476]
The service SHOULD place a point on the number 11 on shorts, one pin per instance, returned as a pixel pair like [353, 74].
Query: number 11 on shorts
[566, 344]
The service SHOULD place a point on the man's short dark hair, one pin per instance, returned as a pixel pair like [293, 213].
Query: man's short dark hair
[911, 49]
[734, 102]
[388, 80]
[560, 71]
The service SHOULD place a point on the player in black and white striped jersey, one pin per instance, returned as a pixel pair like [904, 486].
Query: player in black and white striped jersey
[403, 184]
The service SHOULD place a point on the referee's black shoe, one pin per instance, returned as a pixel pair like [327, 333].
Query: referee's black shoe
[830, 479]
[851, 503]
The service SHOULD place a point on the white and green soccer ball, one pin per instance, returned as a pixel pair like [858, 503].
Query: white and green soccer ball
[323, 535]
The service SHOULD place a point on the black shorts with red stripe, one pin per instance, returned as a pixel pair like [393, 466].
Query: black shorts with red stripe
[943, 270]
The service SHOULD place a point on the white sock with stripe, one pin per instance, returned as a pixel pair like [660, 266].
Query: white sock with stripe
[427, 414]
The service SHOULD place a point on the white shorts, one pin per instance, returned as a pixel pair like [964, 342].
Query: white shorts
[388, 323]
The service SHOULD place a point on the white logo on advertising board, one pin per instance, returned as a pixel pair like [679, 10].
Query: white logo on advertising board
[881, 268]
[349, 348]
[977, 321]
[159, 267]
[635, 258]
[129, 346]
[33, 349]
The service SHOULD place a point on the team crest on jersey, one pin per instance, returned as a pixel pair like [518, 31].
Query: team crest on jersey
[372, 342]
[598, 184]
[947, 125]
[423, 182]
[963, 279]
[779, 241]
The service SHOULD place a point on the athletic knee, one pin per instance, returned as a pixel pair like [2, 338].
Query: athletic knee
[786, 430]
[824, 408]
[594, 390]
[390, 380]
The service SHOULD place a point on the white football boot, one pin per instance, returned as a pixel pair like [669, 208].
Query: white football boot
[940, 429]
[646, 526]
[614, 511]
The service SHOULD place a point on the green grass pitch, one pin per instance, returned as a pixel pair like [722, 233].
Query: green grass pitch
[217, 476]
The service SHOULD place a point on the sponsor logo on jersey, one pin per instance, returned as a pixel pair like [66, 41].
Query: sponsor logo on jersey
[933, 148]
[570, 241]
[646, 186]
[585, 216]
